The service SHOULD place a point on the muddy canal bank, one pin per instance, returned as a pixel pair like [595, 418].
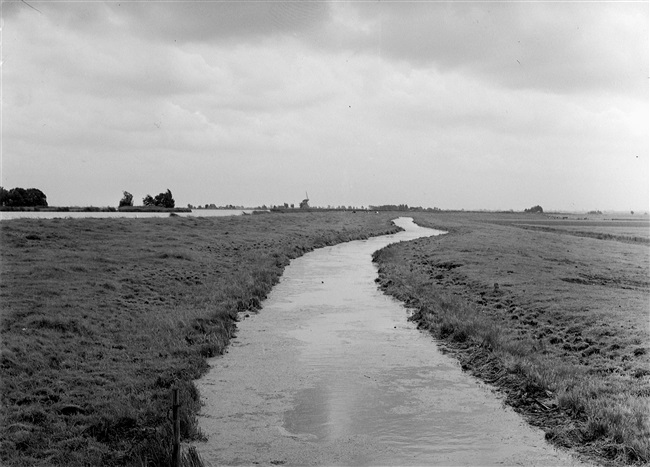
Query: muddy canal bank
[330, 372]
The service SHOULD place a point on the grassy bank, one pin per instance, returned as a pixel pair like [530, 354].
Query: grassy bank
[556, 317]
[102, 317]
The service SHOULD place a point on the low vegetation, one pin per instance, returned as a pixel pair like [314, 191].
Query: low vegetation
[558, 321]
[102, 317]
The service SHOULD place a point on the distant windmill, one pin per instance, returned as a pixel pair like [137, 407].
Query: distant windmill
[304, 204]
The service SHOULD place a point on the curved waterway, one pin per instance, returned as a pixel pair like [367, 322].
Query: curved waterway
[330, 372]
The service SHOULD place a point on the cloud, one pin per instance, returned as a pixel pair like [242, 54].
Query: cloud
[358, 103]
[185, 21]
[555, 47]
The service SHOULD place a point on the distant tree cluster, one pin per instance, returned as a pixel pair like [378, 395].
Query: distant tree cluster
[420, 208]
[21, 197]
[164, 200]
[535, 209]
[390, 207]
[401, 207]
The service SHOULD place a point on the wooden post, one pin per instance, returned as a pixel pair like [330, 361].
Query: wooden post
[176, 452]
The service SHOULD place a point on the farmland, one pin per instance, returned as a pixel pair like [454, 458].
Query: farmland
[102, 317]
[554, 312]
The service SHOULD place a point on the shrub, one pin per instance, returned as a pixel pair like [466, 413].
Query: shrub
[535, 209]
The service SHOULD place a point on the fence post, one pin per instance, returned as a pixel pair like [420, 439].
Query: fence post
[176, 451]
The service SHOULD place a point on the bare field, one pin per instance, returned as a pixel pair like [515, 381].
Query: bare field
[101, 317]
[559, 321]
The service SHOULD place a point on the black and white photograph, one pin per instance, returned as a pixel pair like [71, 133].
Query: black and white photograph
[324, 233]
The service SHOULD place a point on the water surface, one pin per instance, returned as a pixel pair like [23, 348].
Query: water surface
[7, 215]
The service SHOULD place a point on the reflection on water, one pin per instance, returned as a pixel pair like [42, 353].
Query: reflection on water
[7, 215]
[374, 375]
[330, 372]
[415, 409]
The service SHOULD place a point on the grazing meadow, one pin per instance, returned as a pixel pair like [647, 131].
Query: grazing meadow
[554, 313]
[101, 318]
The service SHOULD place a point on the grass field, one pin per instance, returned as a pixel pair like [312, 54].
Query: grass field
[630, 230]
[557, 320]
[102, 317]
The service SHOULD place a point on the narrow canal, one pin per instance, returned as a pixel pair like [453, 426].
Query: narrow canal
[330, 372]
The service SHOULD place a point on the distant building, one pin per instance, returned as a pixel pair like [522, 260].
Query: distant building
[304, 204]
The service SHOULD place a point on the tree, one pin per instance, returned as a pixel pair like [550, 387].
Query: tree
[163, 200]
[127, 199]
[20, 197]
[36, 197]
[4, 196]
[535, 209]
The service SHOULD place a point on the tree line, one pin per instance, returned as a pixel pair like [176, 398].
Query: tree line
[163, 200]
[21, 197]
[33, 197]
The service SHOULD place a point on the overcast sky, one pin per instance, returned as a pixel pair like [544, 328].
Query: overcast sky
[492, 105]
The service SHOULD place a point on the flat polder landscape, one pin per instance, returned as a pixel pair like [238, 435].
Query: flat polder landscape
[553, 310]
[102, 317]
